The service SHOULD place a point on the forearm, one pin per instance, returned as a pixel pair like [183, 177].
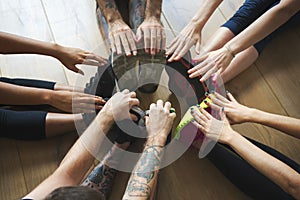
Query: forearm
[153, 9]
[102, 176]
[264, 25]
[285, 124]
[19, 95]
[205, 11]
[109, 10]
[142, 182]
[13, 44]
[274, 169]
[78, 160]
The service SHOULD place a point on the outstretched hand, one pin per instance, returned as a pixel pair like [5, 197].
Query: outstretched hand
[154, 35]
[214, 62]
[236, 112]
[75, 102]
[188, 37]
[70, 57]
[121, 36]
[214, 129]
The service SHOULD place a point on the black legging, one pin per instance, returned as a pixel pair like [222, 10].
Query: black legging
[246, 177]
[24, 125]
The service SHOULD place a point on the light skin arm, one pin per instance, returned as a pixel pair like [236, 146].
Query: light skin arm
[69, 57]
[217, 61]
[277, 171]
[238, 113]
[19, 95]
[142, 182]
[264, 25]
[120, 35]
[79, 159]
[191, 34]
[152, 29]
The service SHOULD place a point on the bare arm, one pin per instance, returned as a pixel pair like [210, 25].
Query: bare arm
[280, 173]
[191, 34]
[142, 182]
[264, 25]
[80, 157]
[277, 171]
[238, 113]
[69, 57]
[64, 100]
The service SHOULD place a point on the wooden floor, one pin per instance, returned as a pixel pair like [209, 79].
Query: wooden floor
[271, 84]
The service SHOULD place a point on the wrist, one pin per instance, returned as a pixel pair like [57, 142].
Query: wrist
[47, 97]
[156, 140]
[233, 136]
[252, 115]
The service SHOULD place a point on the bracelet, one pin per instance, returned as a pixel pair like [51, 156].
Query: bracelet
[230, 51]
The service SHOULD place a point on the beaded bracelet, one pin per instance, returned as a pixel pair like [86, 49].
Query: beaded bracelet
[230, 51]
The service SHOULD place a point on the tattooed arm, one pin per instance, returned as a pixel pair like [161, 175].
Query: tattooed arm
[143, 179]
[120, 33]
[101, 178]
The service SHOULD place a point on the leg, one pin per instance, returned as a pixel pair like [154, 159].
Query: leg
[244, 176]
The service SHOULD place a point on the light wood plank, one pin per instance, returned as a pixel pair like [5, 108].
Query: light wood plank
[229, 7]
[73, 23]
[27, 19]
[12, 183]
[279, 63]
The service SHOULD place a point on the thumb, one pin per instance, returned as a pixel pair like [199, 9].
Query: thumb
[198, 47]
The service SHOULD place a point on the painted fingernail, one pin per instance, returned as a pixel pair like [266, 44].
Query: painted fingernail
[205, 101]
[222, 109]
[227, 91]
[212, 91]
[198, 105]
[193, 120]
[206, 93]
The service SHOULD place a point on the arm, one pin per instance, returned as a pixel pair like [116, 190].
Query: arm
[64, 100]
[102, 176]
[264, 25]
[277, 171]
[80, 157]
[120, 33]
[191, 34]
[217, 61]
[238, 113]
[152, 29]
[142, 182]
[13, 44]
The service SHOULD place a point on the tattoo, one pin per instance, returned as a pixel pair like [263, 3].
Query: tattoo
[145, 172]
[109, 4]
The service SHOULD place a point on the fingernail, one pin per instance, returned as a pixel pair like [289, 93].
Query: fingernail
[205, 101]
[222, 109]
[193, 120]
[206, 93]
[212, 91]
[192, 108]
[227, 91]
[198, 105]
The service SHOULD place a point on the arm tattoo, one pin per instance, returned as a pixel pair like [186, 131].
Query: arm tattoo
[110, 4]
[145, 173]
[101, 178]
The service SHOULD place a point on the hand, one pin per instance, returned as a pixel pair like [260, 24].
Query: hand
[69, 57]
[236, 113]
[154, 35]
[160, 120]
[211, 127]
[118, 106]
[210, 63]
[189, 36]
[120, 35]
[75, 102]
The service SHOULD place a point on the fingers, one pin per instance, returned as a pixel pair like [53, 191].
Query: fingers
[198, 47]
[125, 44]
[112, 43]
[217, 101]
[158, 40]
[231, 98]
[95, 57]
[163, 40]
[160, 104]
[147, 39]
[200, 69]
[221, 98]
[118, 43]
[153, 41]
[130, 37]
[205, 113]
[209, 73]
[172, 47]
